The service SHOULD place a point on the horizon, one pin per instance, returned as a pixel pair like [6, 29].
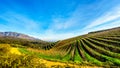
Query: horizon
[62, 39]
[57, 20]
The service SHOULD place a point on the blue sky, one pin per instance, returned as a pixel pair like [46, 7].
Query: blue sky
[58, 19]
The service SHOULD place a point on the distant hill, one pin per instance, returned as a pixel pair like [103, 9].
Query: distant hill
[17, 35]
[24, 40]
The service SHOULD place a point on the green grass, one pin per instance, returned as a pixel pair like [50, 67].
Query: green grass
[49, 57]
[77, 57]
[44, 56]
[93, 60]
[25, 51]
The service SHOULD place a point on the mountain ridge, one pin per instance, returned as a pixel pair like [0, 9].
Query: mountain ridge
[17, 35]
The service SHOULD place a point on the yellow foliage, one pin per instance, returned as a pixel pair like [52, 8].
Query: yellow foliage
[14, 50]
[4, 49]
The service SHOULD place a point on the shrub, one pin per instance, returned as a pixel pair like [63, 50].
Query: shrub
[20, 61]
[4, 48]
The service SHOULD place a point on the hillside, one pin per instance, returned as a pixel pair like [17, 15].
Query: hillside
[100, 48]
[106, 32]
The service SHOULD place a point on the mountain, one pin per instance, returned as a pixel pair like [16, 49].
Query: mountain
[17, 35]
[14, 38]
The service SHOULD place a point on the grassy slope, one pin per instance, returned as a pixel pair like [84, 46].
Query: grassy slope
[108, 39]
[114, 31]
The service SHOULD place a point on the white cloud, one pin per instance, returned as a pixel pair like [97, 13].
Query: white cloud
[107, 17]
[50, 35]
[65, 23]
[102, 27]
[56, 36]
[108, 26]
[62, 24]
[21, 20]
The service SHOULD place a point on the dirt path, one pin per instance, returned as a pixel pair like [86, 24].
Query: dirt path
[52, 64]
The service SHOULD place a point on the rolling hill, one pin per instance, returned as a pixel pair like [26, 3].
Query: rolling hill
[99, 48]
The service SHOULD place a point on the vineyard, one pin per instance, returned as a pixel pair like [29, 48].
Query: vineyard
[99, 48]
